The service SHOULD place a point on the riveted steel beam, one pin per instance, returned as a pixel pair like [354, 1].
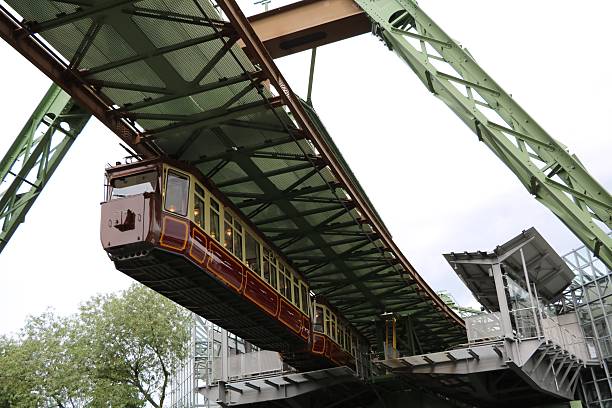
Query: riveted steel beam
[309, 249]
[80, 14]
[177, 17]
[554, 176]
[307, 24]
[245, 150]
[271, 173]
[367, 224]
[206, 119]
[145, 54]
[198, 89]
[261, 57]
[28, 45]
[35, 154]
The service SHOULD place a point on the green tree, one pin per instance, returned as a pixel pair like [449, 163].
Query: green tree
[40, 367]
[119, 350]
[14, 389]
[135, 339]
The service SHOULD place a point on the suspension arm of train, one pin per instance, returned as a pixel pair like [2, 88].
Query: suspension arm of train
[549, 172]
[35, 154]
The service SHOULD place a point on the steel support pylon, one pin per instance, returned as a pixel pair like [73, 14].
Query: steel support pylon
[545, 167]
[34, 155]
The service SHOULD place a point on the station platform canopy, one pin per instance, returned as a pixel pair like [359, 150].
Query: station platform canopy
[190, 80]
[545, 268]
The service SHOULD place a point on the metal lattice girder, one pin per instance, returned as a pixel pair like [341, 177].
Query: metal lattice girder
[544, 166]
[176, 82]
[34, 156]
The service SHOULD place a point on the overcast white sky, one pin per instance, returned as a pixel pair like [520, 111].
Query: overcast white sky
[437, 188]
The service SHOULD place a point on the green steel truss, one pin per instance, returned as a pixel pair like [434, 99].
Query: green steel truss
[35, 154]
[554, 176]
[177, 73]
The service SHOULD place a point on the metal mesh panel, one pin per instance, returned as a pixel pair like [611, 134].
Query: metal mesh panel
[136, 72]
[67, 38]
[484, 327]
[108, 46]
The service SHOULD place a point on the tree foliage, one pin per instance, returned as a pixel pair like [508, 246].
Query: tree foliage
[119, 350]
[15, 387]
[135, 340]
[41, 368]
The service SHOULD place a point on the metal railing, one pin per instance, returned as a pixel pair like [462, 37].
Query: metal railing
[530, 323]
[484, 327]
[573, 342]
[248, 365]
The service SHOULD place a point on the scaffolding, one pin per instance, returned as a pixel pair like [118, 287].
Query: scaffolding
[218, 355]
[194, 370]
[591, 297]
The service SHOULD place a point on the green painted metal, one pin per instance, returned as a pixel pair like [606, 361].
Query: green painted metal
[313, 59]
[462, 311]
[553, 175]
[197, 97]
[34, 155]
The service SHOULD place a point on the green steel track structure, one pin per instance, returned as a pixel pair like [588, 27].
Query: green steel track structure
[35, 154]
[169, 78]
[543, 165]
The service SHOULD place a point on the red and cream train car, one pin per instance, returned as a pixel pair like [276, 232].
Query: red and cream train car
[165, 226]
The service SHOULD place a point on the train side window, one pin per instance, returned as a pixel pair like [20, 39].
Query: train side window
[199, 190]
[198, 206]
[327, 322]
[288, 285]
[304, 297]
[266, 267]
[296, 293]
[252, 253]
[281, 281]
[238, 239]
[347, 342]
[318, 319]
[228, 228]
[269, 267]
[285, 282]
[214, 220]
[274, 273]
[334, 333]
[177, 193]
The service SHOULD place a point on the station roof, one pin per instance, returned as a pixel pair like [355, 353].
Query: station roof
[546, 269]
[169, 78]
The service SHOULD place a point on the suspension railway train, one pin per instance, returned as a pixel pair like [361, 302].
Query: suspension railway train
[164, 225]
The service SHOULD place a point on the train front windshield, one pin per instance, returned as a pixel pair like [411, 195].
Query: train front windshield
[132, 185]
